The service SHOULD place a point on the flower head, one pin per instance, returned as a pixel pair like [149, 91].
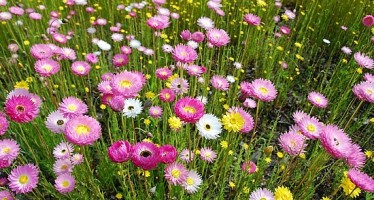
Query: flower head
[363, 60]
[209, 126]
[362, 180]
[310, 127]
[120, 151]
[189, 109]
[184, 53]
[192, 182]
[82, 130]
[65, 183]
[132, 108]
[283, 193]
[292, 143]
[168, 154]
[317, 99]
[23, 178]
[217, 37]
[207, 154]
[261, 194]
[263, 90]
[63, 150]
[72, 107]
[56, 122]
[252, 19]
[249, 167]
[21, 109]
[233, 121]
[176, 173]
[46, 67]
[145, 155]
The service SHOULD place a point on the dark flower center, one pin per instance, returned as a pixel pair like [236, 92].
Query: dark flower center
[207, 126]
[145, 153]
[131, 107]
[60, 122]
[63, 151]
[20, 108]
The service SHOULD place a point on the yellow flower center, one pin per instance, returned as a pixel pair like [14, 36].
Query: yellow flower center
[189, 109]
[292, 143]
[125, 84]
[318, 99]
[175, 173]
[263, 198]
[65, 184]
[311, 128]
[190, 181]
[369, 91]
[167, 96]
[72, 107]
[23, 179]
[6, 150]
[80, 69]
[263, 90]
[208, 154]
[64, 167]
[82, 129]
[47, 68]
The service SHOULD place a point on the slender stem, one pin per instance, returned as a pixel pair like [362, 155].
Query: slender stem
[354, 113]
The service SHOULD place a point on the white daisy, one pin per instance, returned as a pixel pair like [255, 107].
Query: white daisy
[230, 78]
[63, 150]
[133, 107]
[135, 44]
[193, 182]
[193, 44]
[103, 45]
[237, 65]
[167, 48]
[117, 37]
[203, 99]
[205, 23]
[56, 122]
[91, 30]
[209, 126]
[80, 2]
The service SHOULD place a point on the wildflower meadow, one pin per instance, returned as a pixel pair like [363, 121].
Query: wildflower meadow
[187, 99]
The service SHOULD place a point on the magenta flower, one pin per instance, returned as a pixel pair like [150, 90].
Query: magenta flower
[120, 60]
[299, 115]
[369, 77]
[249, 167]
[168, 154]
[285, 30]
[220, 83]
[252, 19]
[189, 110]
[317, 99]
[167, 95]
[15, 10]
[65, 183]
[145, 155]
[120, 151]
[184, 53]
[163, 73]
[4, 124]
[92, 58]
[368, 20]
[158, 22]
[24, 178]
[155, 111]
[292, 143]
[176, 173]
[361, 180]
[46, 67]
[217, 37]
[117, 103]
[104, 87]
[263, 90]
[363, 60]
[198, 36]
[5, 194]
[21, 109]
[9, 149]
[72, 107]
[356, 158]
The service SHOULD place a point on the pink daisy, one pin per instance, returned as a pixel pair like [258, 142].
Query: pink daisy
[311, 127]
[9, 149]
[21, 109]
[81, 68]
[72, 107]
[299, 115]
[62, 166]
[15, 10]
[220, 83]
[356, 158]
[363, 60]
[198, 36]
[361, 180]
[179, 85]
[249, 167]
[168, 154]
[41, 51]
[5, 195]
[127, 83]
[263, 90]
[292, 143]
[117, 103]
[189, 110]
[65, 183]
[250, 103]
[217, 37]
[285, 30]
[369, 77]
[262, 194]
[186, 35]
[335, 141]
[4, 124]
[76, 159]
[205, 23]
[145, 155]
[82, 130]
[59, 38]
[120, 60]
[184, 53]
[252, 19]
[346, 50]
[46, 67]
[92, 58]
[194, 70]
[158, 22]
[176, 173]
[56, 122]
[155, 111]
[23, 179]
[63, 150]
[163, 73]
[207, 154]
[245, 89]
[186, 155]
[193, 182]
[67, 53]
[120, 151]
[317, 99]
[364, 91]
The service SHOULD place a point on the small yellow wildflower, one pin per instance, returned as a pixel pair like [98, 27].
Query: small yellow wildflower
[232, 184]
[302, 155]
[197, 152]
[29, 79]
[147, 122]
[349, 188]
[102, 107]
[369, 153]
[325, 198]
[280, 154]
[283, 193]
[119, 196]
[26, 42]
[233, 121]
[175, 123]
[21, 84]
[230, 152]
[224, 144]
[359, 70]
[372, 120]
[298, 56]
[267, 159]
[150, 95]
[298, 44]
